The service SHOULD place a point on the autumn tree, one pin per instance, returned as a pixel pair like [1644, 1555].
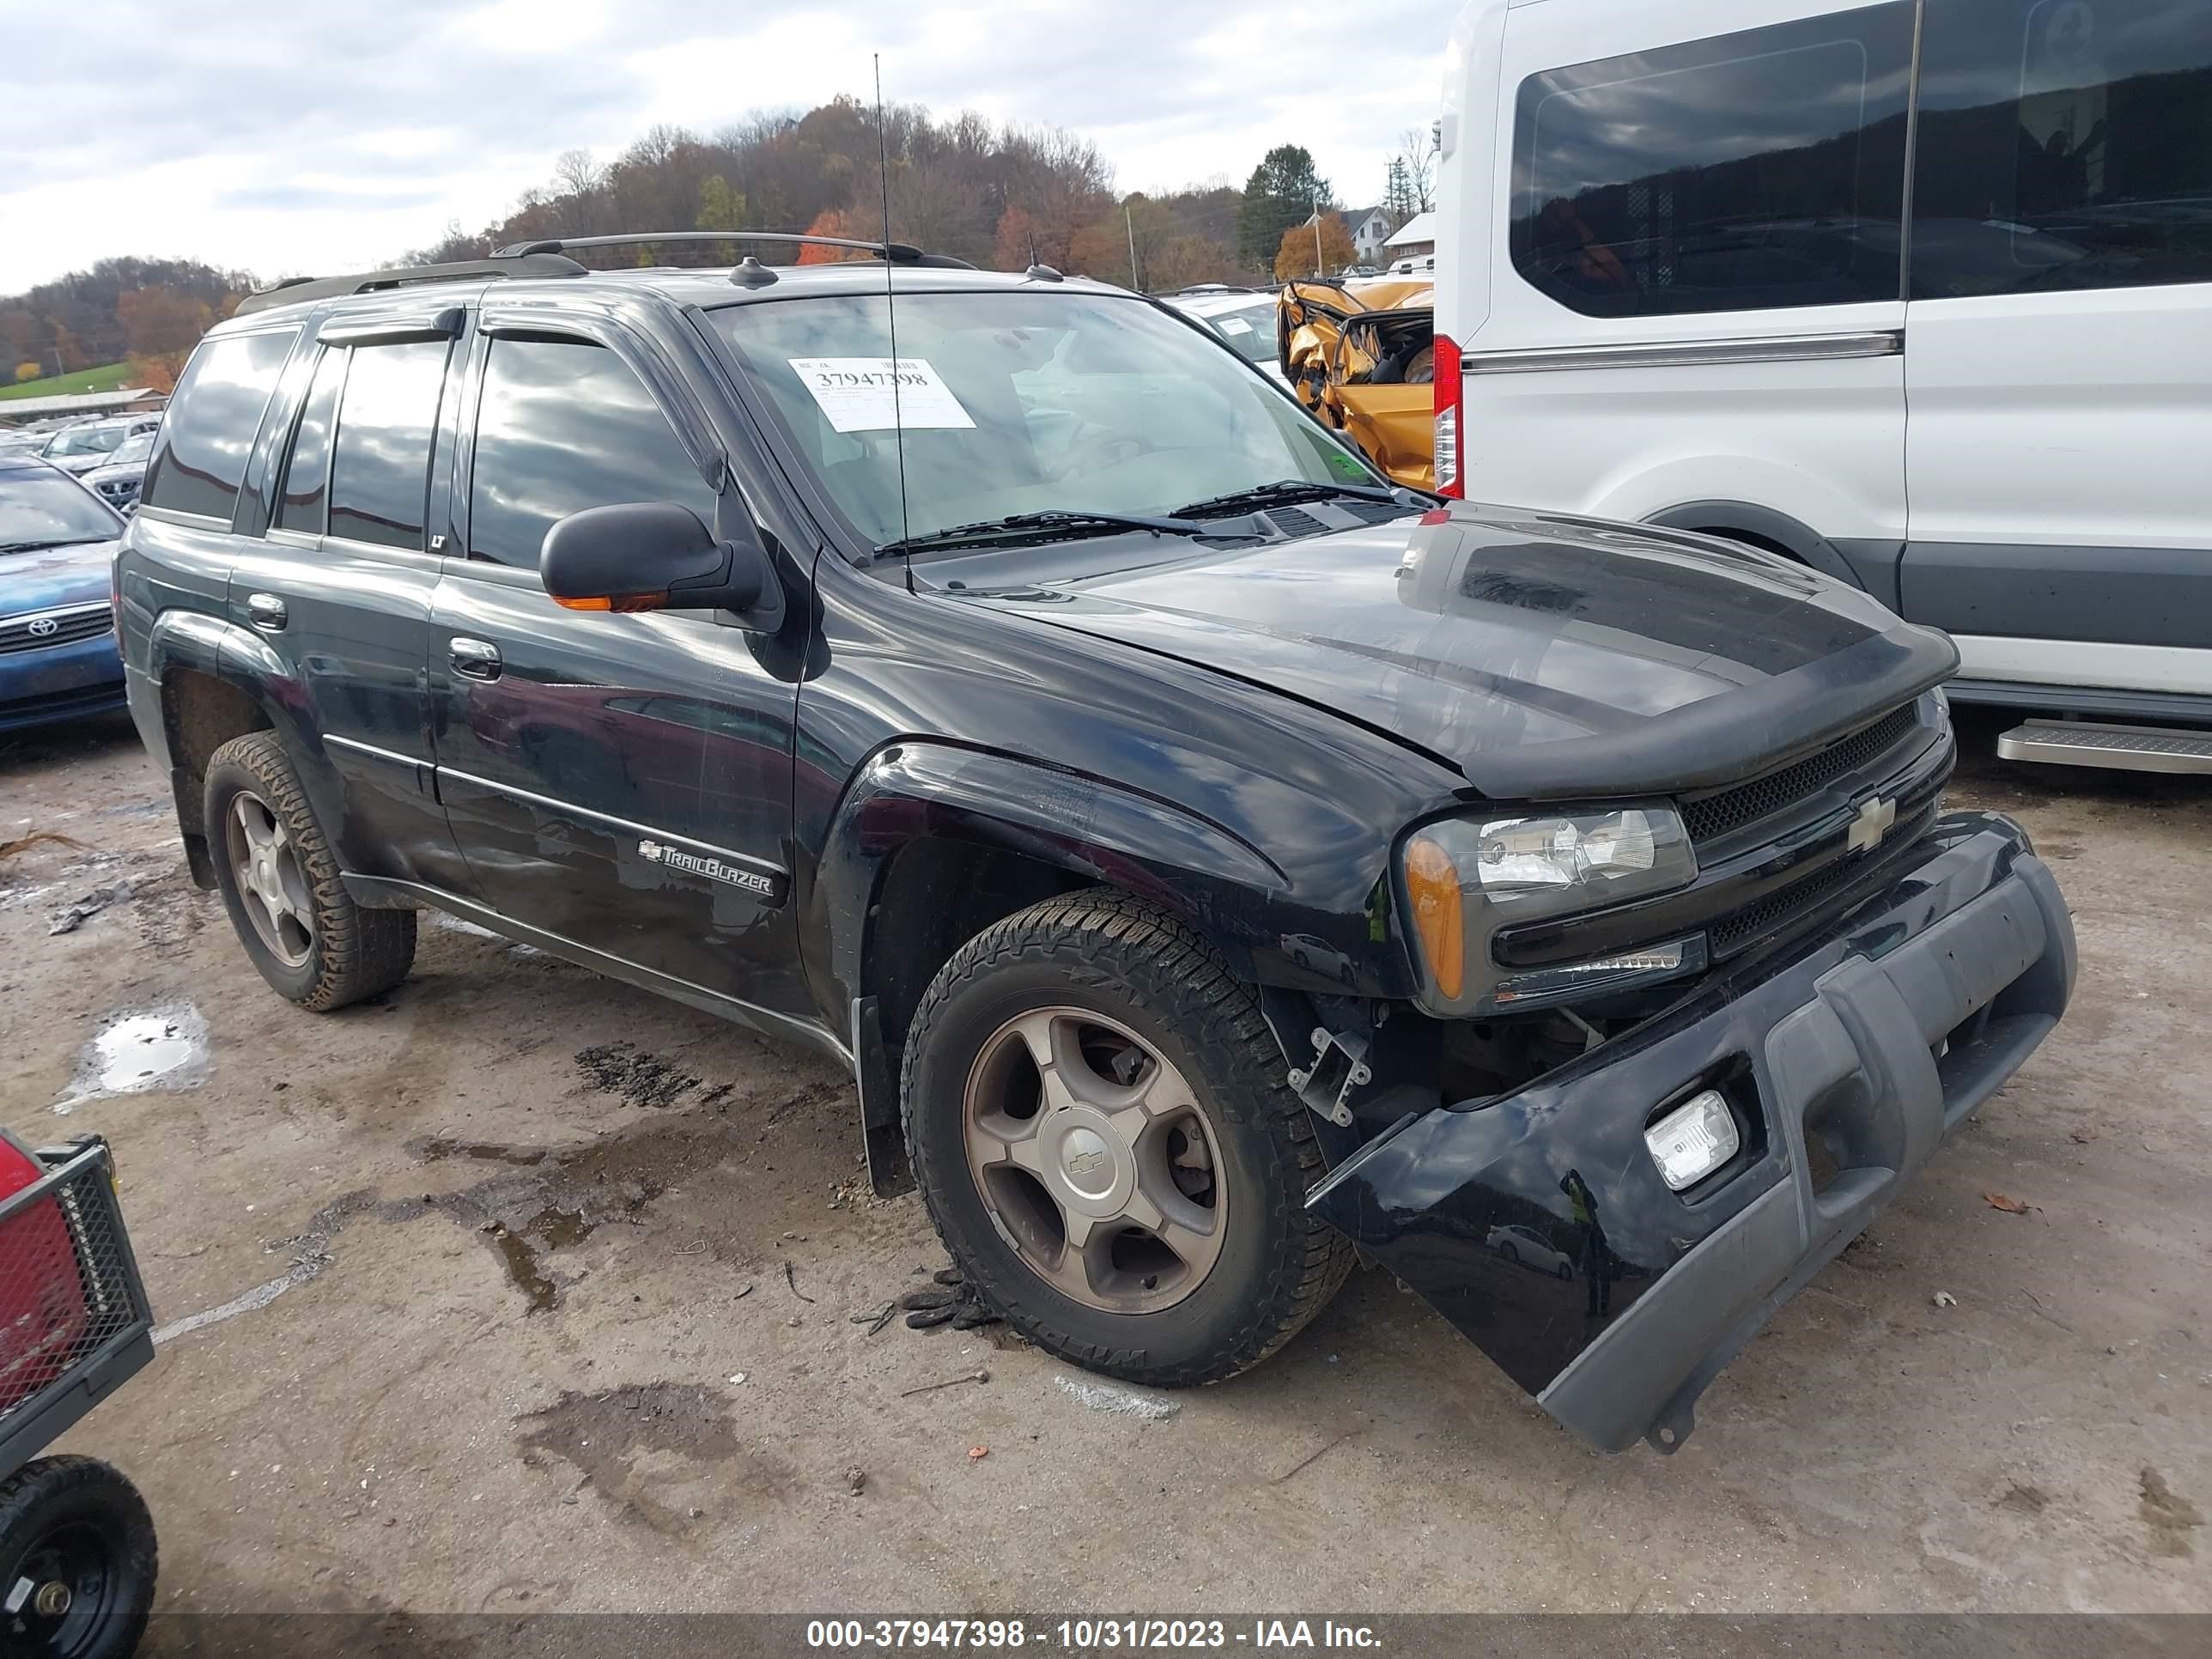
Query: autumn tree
[1014, 248]
[74, 321]
[68, 353]
[1187, 259]
[25, 372]
[836, 221]
[1304, 252]
[161, 326]
[1102, 248]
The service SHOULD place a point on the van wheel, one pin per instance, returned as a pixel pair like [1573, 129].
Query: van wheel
[77, 1555]
[279, 881]
[1099, 1122]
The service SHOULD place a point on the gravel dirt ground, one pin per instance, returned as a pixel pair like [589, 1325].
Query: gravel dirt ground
[521, 1290]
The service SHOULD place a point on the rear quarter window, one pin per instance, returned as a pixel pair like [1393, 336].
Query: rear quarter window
[199, 459]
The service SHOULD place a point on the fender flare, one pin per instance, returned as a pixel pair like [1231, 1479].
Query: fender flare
[229, 654]
[1799, 540]
[222, 650]
[908, 792]
[911, 791]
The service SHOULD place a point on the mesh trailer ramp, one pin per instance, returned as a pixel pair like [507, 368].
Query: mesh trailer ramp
[77, 1557]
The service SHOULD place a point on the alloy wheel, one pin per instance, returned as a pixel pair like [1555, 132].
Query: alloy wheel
[1094, 1159]
[272, 888]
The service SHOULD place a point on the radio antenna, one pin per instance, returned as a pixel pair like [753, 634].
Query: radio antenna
[890, 312]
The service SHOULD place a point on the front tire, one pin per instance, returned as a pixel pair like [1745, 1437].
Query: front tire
[281, 883]
[77, 1542]
[1097, 1120]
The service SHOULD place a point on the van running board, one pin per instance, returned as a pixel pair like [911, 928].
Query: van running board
[2125, 747]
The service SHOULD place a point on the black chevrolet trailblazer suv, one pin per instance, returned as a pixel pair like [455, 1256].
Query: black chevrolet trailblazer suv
[1213, 861]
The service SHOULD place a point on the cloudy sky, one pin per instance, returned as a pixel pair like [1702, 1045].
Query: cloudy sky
[314, 136]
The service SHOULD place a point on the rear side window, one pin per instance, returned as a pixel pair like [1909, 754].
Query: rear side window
[564, 425]
[1748, 172]
[307, 471]
[2063, 144]
[200, 459]
[381, 462]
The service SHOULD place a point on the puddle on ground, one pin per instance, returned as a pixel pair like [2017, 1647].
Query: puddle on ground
[435, 1149]
[550, 1199]
[162, 1047]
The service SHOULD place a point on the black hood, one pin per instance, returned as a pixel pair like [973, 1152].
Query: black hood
[1543, 656]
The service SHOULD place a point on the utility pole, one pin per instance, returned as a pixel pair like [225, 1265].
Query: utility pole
[1129, 219]
[1318, 271]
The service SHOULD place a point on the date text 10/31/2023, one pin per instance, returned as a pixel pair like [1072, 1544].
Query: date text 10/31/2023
[1088, 1635]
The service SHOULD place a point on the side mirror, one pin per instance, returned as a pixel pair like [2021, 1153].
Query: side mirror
[655, 556]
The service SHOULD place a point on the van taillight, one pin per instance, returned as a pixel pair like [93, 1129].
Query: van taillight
[1450, 453]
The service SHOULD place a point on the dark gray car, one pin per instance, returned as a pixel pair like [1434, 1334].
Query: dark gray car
[117, 482]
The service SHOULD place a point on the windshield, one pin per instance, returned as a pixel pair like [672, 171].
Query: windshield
[132, 449]
[39, 508]
[85, 441]
[1019, 402]
[1250, 329]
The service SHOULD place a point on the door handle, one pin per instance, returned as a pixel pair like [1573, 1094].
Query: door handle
[266, 613]
[475, 660]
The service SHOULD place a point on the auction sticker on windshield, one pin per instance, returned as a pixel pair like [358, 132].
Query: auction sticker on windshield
[860, 395]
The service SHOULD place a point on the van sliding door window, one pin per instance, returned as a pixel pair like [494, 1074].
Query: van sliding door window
[2063, 144]
[1745, 173]
[380, 467]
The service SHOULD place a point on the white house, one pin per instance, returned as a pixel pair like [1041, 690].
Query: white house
[1368, 227]
[1415, 239]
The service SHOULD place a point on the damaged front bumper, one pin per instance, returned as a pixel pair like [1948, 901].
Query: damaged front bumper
[1538, 1223]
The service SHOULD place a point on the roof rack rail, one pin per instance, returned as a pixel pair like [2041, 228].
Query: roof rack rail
[298, 289]
[899, 253]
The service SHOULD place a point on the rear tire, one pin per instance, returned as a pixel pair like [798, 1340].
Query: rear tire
[1133, 1007]
[80, 1533]
[280, 882]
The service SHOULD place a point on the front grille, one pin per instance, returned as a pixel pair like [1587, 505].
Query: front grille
[1786, 905]
[120, 490]
[36, 632]
[1731, 809]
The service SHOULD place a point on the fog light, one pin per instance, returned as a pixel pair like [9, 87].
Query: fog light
[1693, 1141]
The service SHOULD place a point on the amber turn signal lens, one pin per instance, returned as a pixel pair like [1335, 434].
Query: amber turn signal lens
[1433, 885]
[615, 602]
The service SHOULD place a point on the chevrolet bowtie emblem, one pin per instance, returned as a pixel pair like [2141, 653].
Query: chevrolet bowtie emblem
[1870, 823]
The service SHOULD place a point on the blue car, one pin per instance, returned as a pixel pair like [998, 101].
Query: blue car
[57, 655]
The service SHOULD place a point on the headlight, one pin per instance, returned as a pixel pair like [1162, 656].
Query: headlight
[1465, 880]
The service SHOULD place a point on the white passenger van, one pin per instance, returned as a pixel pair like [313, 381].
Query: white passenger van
[1919, 293]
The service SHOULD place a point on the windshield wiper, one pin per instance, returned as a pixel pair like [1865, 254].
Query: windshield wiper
[1057, 525]
[1286, 490]
[41, 546]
